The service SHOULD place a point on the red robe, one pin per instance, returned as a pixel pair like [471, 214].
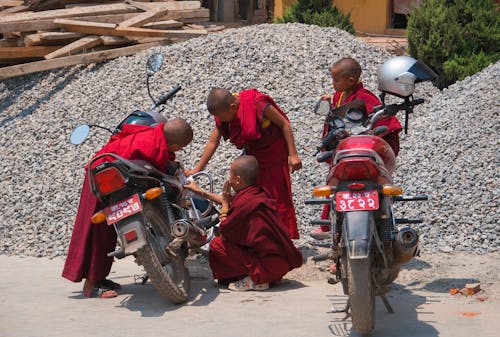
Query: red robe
[392, 123]
[253, 241]
[89, 245]
[265, 141]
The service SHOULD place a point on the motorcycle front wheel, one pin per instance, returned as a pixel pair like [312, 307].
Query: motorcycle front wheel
[361, 294]
[169, 275]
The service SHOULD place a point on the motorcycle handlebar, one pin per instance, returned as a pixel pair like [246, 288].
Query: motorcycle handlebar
[163, 99]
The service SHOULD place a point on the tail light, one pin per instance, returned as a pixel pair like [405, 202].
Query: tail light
[109, 180]
[356, 169]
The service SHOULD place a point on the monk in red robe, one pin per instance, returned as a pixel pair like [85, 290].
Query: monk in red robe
[87, 254]
[345, 74]
[253, 122]
[253, 249]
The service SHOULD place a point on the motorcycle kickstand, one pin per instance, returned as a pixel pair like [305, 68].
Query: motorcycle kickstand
[344, 309]
[387, 305]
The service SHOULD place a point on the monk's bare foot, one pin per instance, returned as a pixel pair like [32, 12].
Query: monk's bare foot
[88, 286]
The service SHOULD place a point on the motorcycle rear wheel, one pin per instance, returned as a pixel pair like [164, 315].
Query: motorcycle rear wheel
[361, 294]
[169, 276]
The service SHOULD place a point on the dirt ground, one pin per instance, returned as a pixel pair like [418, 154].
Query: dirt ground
[432, 271]
[36, 301]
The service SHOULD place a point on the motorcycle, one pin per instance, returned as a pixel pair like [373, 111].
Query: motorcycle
[156, 220]
[368, 243]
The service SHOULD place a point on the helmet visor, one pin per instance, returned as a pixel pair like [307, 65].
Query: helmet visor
[422, 72]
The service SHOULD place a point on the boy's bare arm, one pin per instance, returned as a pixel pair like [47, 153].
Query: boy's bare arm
[276, 118]
[208, 152]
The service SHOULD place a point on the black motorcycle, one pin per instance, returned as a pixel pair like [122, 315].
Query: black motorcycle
[155, 218]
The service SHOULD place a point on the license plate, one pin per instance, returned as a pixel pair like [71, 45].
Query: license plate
[123, 209]
[346, 201]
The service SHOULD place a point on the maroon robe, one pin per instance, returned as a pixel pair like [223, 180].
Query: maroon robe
[253, 241]
[392, 123]
[87, 253]
[266, 142]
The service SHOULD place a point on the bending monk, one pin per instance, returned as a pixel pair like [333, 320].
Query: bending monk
[253, 249]
[253, 121]
[87, 254]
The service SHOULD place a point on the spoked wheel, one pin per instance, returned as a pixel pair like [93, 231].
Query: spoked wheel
[167, 273]
[361, 294]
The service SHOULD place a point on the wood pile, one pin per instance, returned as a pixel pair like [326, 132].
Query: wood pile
[40, 35]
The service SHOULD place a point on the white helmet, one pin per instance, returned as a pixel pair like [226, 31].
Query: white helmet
[398, 75]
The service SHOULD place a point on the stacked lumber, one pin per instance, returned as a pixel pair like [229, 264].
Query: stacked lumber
[40, 35]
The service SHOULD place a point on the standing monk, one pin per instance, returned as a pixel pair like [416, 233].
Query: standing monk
[253, 249]
[346, 74]
[253, 122]
[90, 243]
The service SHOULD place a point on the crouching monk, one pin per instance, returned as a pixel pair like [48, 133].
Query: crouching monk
[254, 248]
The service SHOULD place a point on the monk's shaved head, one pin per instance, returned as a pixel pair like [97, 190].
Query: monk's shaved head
[348, 67]
[247, 168]
[178, 131]
[218, 100]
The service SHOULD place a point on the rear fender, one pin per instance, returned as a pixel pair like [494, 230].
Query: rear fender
[357, 228]
[131, 234]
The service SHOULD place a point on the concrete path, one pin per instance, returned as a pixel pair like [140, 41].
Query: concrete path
[36, 301]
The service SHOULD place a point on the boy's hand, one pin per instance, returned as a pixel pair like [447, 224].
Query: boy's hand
[193, 186]
[190, 172]
[294, 163]
[326, 98]
[226, 193]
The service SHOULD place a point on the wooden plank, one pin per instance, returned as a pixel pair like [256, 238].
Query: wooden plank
[51, 38]
[143, 18]
[46, 24]
[10, 3]
[11, 43]
[164, 24]
[169, 5]
[114, 40]
[94, 57]
[76, 47]
[26, 52]
[134, 31]
[70, 12]
[13, 10]
[109, 29]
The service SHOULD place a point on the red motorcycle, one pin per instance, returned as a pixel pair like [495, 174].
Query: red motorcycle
[368, 245]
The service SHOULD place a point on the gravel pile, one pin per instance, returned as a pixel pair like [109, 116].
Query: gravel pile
[450, 153]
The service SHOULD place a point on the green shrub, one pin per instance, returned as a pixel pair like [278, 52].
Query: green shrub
[456, 38]
[317, 12]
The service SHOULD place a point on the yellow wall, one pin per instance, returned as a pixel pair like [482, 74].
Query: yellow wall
[368, 16]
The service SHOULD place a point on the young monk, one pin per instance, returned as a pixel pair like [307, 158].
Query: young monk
[253, 121]
[253, 249]
[345, 74]
[87, 254]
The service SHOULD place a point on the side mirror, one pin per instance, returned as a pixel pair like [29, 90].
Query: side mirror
[154, 63]
[380, 130]
[322, 108]
[79, 134]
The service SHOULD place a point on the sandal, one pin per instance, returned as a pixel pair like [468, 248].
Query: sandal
[246, 284]
[108, 284]
[97, 290]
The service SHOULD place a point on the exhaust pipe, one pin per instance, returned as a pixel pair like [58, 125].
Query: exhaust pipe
[405, 245]
[189, 232]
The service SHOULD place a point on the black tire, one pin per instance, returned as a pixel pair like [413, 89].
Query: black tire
[169, 276]
[361, 294]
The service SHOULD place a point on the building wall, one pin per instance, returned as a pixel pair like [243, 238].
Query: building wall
[368, 16]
